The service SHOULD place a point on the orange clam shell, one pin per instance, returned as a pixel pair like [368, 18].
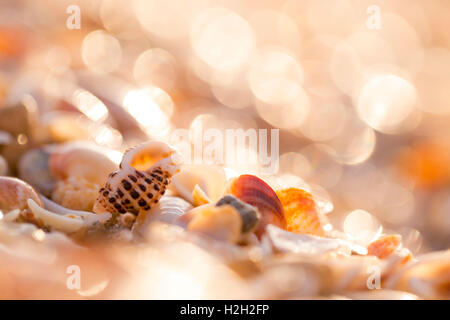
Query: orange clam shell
[384, 246]
[388, 245]
[259, 194]
[301, 212]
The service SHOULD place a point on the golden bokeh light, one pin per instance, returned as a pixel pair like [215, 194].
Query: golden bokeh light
[155, 67]
[386, 101]
[222, 39]
[101, 52]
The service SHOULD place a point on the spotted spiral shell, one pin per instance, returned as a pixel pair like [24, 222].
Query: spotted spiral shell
[133, 189]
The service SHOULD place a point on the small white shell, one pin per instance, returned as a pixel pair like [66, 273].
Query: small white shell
[65, 223]
[168, 210]
[59, 209]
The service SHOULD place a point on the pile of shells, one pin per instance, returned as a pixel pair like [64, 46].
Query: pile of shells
[274, 243]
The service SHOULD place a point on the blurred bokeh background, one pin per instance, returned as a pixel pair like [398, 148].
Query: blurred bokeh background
[360, 91]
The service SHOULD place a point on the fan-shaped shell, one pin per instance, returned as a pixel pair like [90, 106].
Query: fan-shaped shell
[259, 194]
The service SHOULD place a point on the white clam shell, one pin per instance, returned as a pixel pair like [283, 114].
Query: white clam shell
[211, 179]
[65, 223]
[167, 210]
[59, 209]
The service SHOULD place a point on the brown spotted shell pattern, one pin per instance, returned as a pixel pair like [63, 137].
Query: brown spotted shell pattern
[142, 179]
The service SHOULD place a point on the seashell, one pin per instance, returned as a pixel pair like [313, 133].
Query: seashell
[145, 172]
[250, 215]
[76, 193]
[18, 119]
[14, 194]
[300, 210]
[55, 207]
[310, 245]
[222, 223]
[71, 173]
[211, 179]
[34, 168]
[385, 246]
[259, 194]
[85, 160]
[427, 277]
[3, 167]
[199, 197]
[68, 222]
[168, 210]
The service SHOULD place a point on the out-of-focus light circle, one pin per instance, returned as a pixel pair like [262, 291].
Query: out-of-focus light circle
[90, 105]
[339, 16]
[233, 97]
[396, 205]
[155, 67]
[275, 77]
[295, 163]
[288, 115]
[101, 52]
[324, 121]
[360, 226]
[151, 107]
[119, 19]
[345, 68]
[323, 170]
[318, 81]
[357, 52]
[433, 81]
[168, 19]
[402, 39]
[274, 28]
[386, 101]
[58, 59]
[222, 39]
[353, 144]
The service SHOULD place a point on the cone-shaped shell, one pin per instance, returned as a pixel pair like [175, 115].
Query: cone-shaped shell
[144, 174]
